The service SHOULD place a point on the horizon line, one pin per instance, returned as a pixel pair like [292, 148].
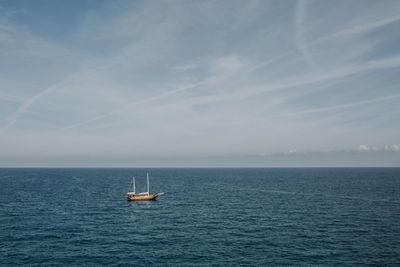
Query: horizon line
[193, 167]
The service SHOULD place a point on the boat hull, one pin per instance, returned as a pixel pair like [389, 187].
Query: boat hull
[142, 198]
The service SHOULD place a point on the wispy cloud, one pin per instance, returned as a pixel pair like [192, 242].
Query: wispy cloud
[269, 87]
[225, 67]
[185, 67]
[9, 97]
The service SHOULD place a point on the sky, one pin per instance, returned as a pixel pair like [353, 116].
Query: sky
[199, 83]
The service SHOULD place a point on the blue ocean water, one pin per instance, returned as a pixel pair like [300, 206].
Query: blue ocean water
[208, 217]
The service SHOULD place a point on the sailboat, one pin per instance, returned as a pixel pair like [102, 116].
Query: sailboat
[132, 196]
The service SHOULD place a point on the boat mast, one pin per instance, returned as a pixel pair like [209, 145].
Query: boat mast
[133, 184]
[148, 185]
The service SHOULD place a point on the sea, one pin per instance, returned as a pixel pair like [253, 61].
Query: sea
[207, 217]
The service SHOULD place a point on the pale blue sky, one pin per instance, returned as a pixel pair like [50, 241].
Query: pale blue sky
[199, 83]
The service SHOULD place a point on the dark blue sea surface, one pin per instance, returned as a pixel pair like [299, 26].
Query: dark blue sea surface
[207, 217]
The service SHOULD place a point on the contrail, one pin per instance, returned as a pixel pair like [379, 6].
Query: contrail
[348, 105]
[130, 105]
[28, 103]
[299, 32]
[359, 29]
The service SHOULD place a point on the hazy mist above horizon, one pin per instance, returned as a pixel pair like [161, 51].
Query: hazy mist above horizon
[199, 83]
